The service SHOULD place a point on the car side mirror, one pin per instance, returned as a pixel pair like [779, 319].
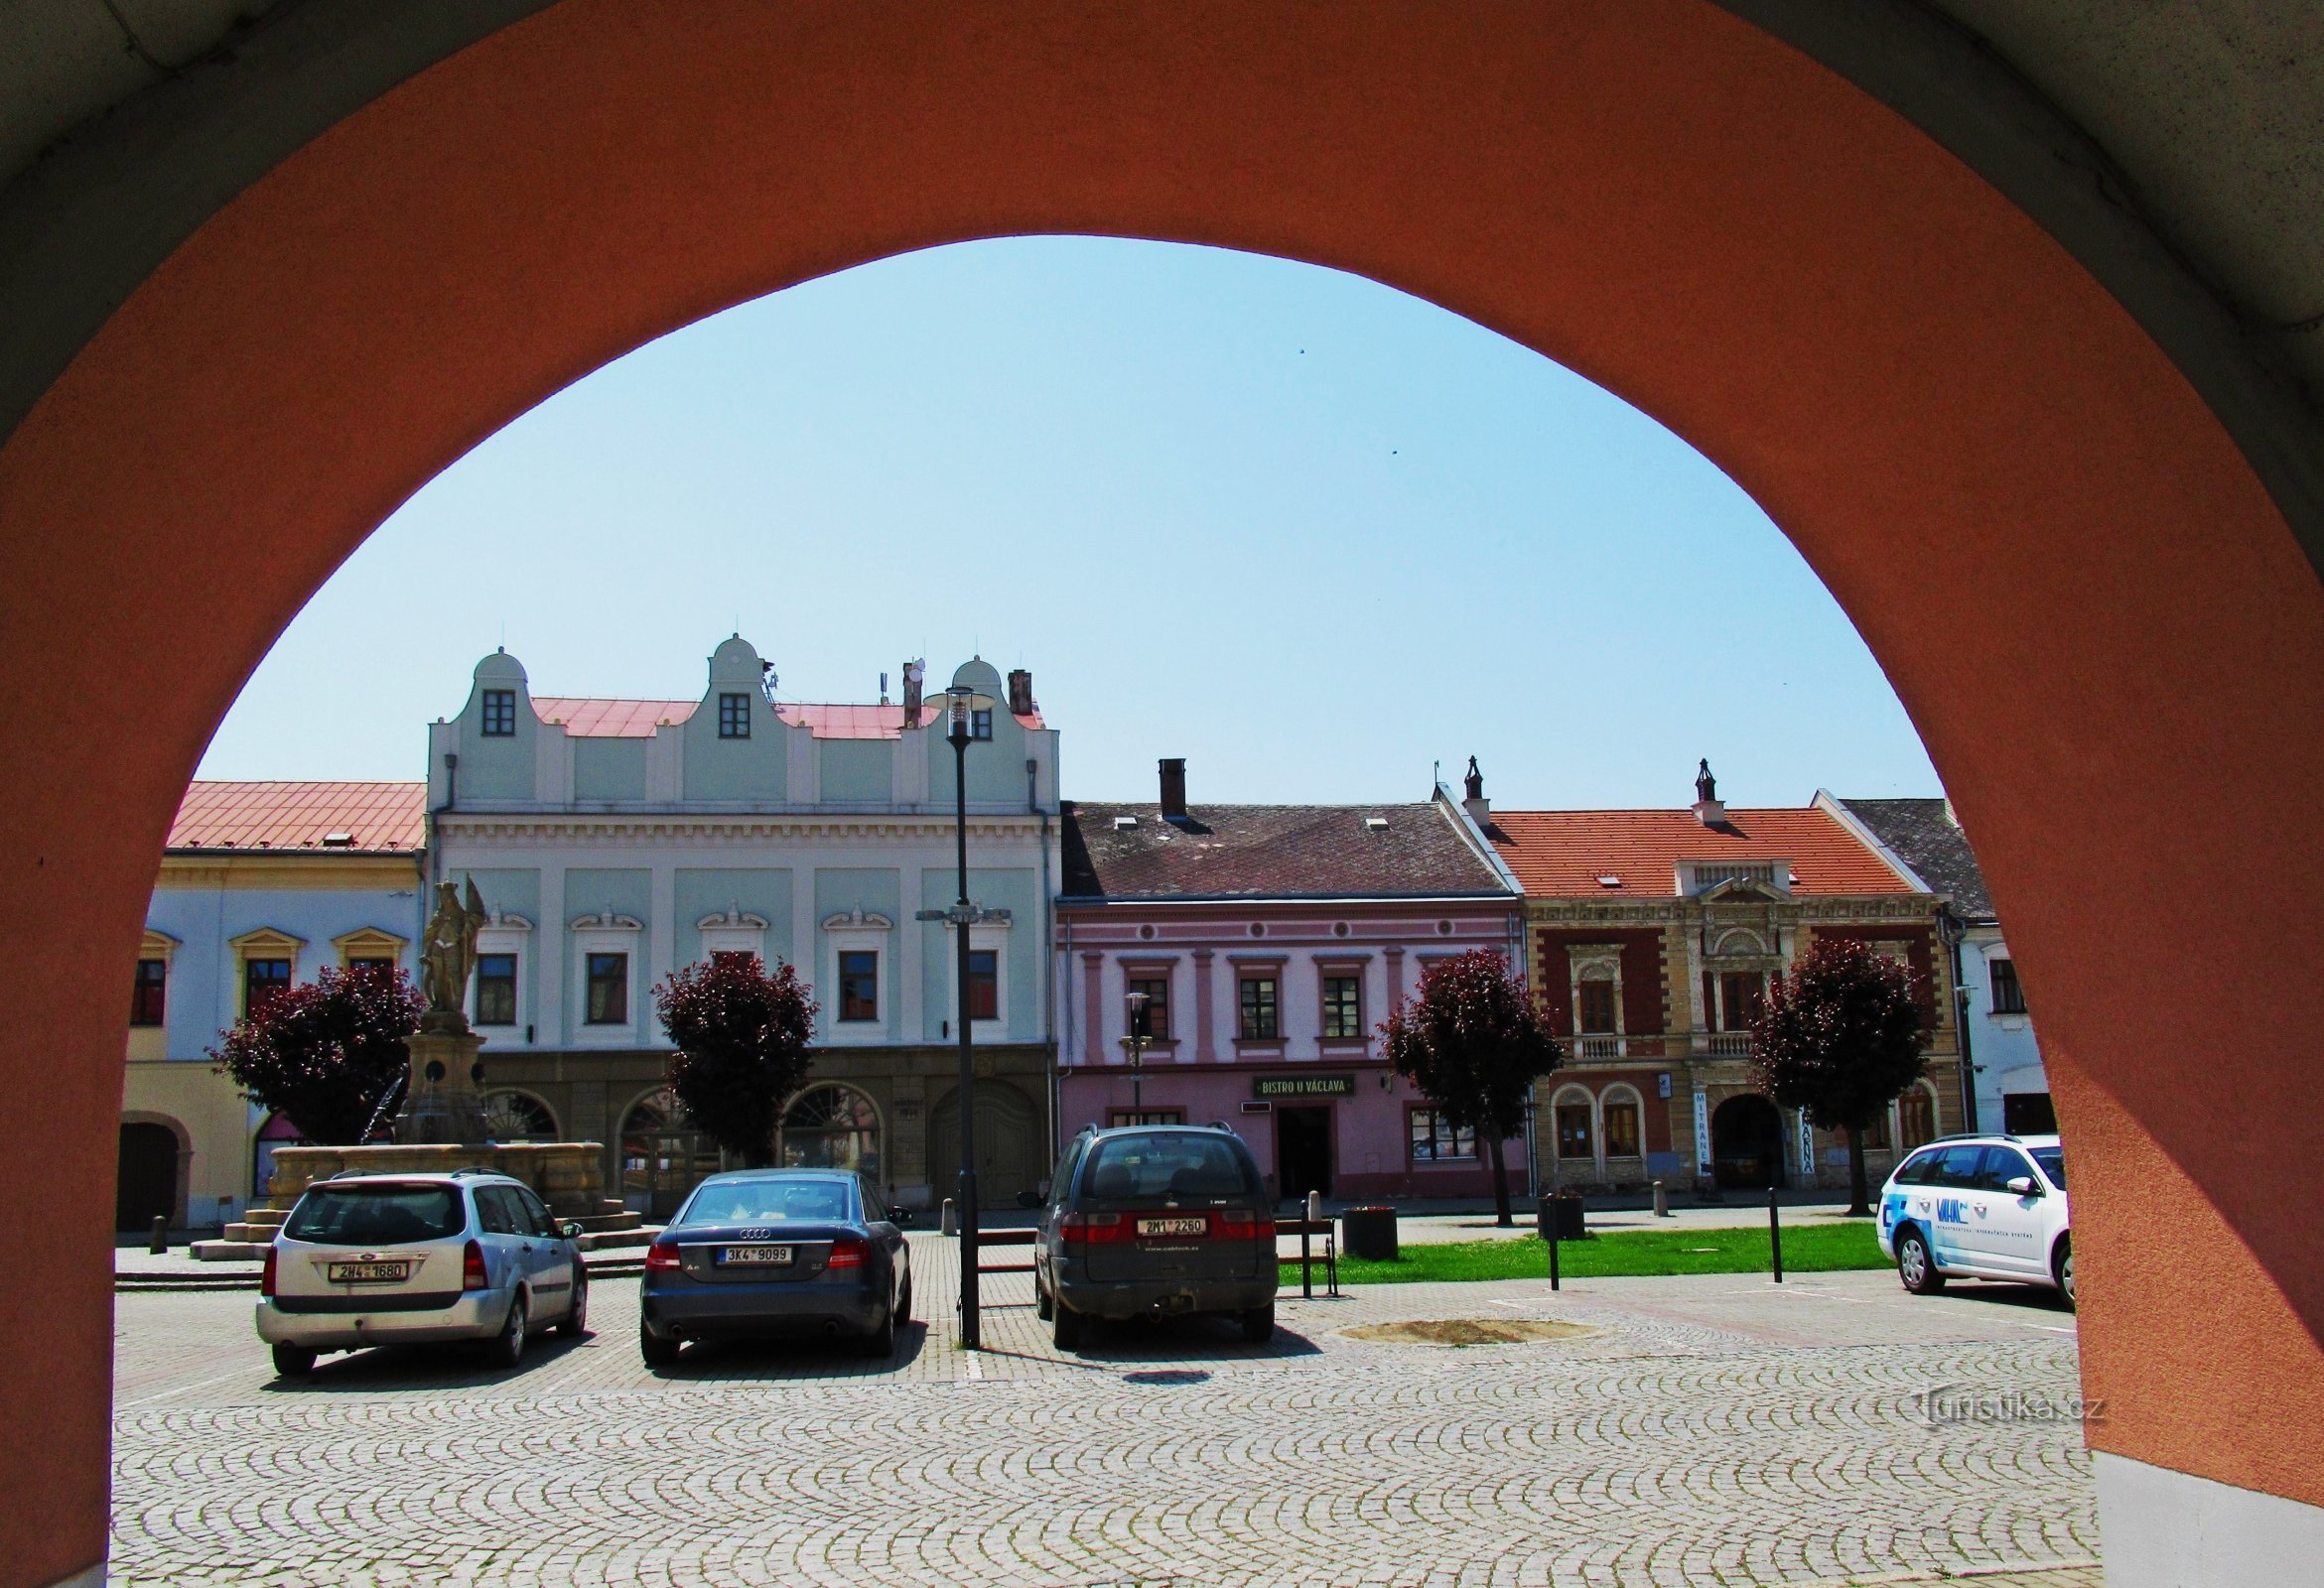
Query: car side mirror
[1029, 1199]
[570, 1229]
[900, 1216]
[2023, 1186]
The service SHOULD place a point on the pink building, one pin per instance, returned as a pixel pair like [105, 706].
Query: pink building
[1266, 943]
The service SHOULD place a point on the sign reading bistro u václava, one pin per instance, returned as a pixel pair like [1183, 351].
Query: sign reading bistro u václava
[1304, 1086]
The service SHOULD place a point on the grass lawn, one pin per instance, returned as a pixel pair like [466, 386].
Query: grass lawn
[1808, 1249]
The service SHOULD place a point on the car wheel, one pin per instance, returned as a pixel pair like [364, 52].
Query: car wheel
[1259, 1323]
[1916, 1265]
[880, 1342]
[576, 1321]
[904, 1304]
[1042, 1307]
[293, 1361]
[657, 1350]
[507, 1346]
[2062, 1270]
[1067, 1327]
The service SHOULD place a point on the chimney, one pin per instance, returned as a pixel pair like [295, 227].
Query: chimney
[1708, 809]
[913, 672]
[1021, 693]
[1173, 786]
[1480, 809]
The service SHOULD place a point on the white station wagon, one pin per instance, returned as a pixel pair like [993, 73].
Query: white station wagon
[371, 1260]
[1980, 1207]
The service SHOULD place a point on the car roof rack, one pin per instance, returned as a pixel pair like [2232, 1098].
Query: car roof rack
[1971, 1135]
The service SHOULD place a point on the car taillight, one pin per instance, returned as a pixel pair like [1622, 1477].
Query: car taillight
[267, 1275]
[849, 1252]
[662, 1258]
[471, 1267]
[1243, 1224]
[1093, 1228]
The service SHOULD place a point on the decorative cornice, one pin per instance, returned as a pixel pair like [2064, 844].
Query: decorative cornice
[732, 919]
[608, 921]
[667, 830]
[857, 919]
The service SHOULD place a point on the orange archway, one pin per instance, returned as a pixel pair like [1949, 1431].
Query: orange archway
[2098, 618]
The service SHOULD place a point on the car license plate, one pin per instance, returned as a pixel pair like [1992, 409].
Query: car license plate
[754, 1255]
[1170, 1227]
[368, 1272]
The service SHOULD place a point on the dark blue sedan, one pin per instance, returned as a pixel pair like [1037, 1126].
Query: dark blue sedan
[776, 1252]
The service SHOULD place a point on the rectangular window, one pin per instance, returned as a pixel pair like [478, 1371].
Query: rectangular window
[373, 964]
[1573, 1130]
[734, 716]
[148, 1001]
[1435, 1140]
[499, 714]
[1622, 1131]
[1259, 1022]
[984, 984]
[1876, 1135]
[980, 723]
[262, 982]
[1154, 1021]
[495, 990]
[1598, 1006]
[2008, 996]
[1739, 993]
[1343, 1005]
[608, 989]
[858, 984]
[1122, 1116]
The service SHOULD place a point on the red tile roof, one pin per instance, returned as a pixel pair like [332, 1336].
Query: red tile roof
[376, 818]
[585, 717]
[1563, 854]
[1269, 852]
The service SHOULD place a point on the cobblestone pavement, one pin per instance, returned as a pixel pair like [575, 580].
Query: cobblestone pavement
[1712, 1431]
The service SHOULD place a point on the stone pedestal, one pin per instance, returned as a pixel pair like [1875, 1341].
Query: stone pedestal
[441, 1102]
[569, 1175]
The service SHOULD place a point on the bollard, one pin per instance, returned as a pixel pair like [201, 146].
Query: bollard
[161, 1234]
[949, 1223]
[1551, 1236]
[1662, 1201]
[1313, 1212]
[1775, 1234]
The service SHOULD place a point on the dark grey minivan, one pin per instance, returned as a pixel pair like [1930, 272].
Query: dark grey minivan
[1155, 1219]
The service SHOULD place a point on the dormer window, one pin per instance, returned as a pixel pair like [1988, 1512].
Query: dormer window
[499, 714]
[980, 723]
[734, 716]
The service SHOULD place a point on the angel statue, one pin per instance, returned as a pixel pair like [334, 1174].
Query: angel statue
[448, 949]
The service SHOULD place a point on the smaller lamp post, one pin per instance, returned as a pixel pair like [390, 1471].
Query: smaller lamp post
[1136, 1044]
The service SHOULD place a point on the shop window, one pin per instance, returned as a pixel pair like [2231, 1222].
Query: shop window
[1621, 1131]
[1436, 1140]
[263, 981]
[1574, 1132]
[1258, 1005]
[2008, 996]
[832, 1128]
[1116, 1118]
[495, 990]
[517, 1117]
[1343, 1005]
[1598, 1006]
[734, 716]
[1154, 1021]
[608, 989]
[499, 714]
[858, 984]
[984, 984]
[149, 1000]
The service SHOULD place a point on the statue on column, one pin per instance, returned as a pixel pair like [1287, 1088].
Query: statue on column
[448, 955]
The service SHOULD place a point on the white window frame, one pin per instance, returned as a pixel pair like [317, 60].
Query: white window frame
[1573, 1091]
[507, 934]
[992, 935]
[735, 932]
[605, 933]
[856, 931]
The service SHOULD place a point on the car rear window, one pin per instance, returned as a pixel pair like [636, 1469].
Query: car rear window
[2053, 1163]
[373, 1214]
[769, 1202]
[1189, 1166]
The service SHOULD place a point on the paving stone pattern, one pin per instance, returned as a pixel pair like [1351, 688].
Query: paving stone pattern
[1712, 1431]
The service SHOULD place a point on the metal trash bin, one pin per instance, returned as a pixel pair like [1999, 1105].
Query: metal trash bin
[1560, 1218]
[1369, 1233]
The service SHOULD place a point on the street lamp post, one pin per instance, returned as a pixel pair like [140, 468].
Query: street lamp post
[1136, 1044]
[962, 704]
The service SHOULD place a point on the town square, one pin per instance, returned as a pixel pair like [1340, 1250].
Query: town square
[1096, 794]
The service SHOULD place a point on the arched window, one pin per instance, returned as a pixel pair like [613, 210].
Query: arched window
[832, 1126]
[518, 1117]
[1575, 1118]
[662, 1157]
[1916, 1117]
[1624, 1119]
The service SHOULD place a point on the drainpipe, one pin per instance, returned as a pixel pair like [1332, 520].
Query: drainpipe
[1956, 934]
[1045, 965]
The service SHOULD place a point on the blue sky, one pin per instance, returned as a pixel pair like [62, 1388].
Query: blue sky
[1307, 532]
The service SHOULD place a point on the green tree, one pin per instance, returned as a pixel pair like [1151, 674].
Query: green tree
[1842, 1038]
[326, 1054]
[1473, 1041]
[743, 1040]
